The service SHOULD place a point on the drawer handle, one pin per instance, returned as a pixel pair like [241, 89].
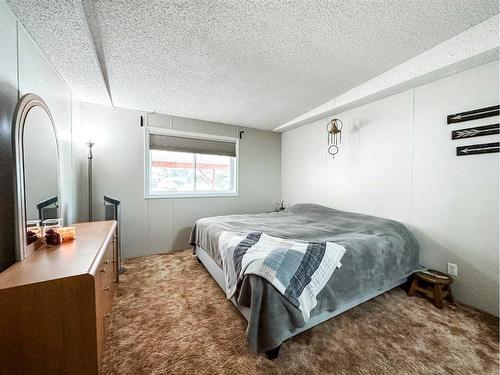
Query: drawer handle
[106, 289]
[103, 270]
[106, 261]
[104, 326]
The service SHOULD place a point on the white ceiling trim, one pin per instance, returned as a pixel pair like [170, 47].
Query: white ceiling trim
[475, 46]
[88, 11]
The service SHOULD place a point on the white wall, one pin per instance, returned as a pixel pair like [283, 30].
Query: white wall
[158, 225]
[37, 76]
[397, 160]
[24, 69]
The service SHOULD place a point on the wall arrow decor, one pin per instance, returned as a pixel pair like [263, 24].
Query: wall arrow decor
[484, 148]
[475, 131]
[474, 114]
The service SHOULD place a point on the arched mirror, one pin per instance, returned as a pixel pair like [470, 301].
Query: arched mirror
[37, 170]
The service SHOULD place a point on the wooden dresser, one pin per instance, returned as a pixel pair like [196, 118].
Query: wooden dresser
[55, 305]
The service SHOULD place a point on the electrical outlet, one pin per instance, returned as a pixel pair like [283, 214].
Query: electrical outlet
[452, 269]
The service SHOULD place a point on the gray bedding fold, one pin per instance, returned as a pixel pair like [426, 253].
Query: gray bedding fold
[379, 252]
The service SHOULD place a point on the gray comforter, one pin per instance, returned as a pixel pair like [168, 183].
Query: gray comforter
[378, 252]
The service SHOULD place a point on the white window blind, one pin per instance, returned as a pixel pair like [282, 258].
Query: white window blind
[191, 145]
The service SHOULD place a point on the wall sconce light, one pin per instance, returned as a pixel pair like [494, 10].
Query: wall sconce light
[334, 129]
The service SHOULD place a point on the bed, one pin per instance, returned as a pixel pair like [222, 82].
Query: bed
[380, 255]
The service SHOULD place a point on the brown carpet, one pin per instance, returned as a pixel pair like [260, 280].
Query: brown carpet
[170, 317]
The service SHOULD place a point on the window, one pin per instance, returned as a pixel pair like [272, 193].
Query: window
[181, 164]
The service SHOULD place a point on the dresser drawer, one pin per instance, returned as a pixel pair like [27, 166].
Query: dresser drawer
[104, 278]
[108, 277]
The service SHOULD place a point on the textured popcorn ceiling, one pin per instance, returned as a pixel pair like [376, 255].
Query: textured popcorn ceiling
[256, 63]
[61, 31]
[475, 46]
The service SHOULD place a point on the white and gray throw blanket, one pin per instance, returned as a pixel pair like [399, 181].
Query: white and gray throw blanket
[297, 269]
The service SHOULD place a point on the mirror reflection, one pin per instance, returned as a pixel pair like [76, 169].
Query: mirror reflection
[40, 171]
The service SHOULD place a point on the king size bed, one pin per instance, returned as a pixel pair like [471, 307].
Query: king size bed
[378, 255]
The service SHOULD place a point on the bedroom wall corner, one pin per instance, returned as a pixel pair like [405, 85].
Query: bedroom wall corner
[159, 225]
[397, 160]
[455, 202]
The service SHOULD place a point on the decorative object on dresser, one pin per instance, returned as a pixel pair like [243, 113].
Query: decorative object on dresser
[67, 233]
[55, 305]
[433, 284]
[51, 235]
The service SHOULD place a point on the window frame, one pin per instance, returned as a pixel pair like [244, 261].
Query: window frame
[187, 134]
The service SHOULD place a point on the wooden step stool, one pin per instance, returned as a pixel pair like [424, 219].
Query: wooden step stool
[435, 285]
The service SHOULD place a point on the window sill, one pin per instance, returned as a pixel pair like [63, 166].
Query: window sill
[180, 196]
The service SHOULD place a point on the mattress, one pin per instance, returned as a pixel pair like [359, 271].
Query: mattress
[378, 252]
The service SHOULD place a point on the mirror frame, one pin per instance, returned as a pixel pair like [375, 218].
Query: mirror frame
[26, 103]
